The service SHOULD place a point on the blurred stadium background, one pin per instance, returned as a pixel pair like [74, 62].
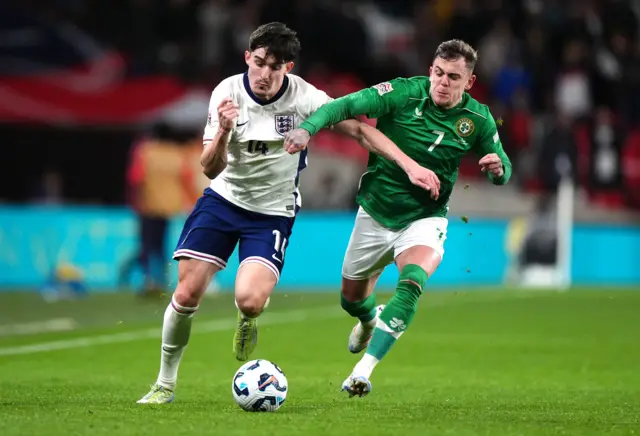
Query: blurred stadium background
[96, 99]
[102, 107]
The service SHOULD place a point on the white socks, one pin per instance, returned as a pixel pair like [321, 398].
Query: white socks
[365, 366]
[175, 337]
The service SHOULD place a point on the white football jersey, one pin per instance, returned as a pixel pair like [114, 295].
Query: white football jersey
[260, 175]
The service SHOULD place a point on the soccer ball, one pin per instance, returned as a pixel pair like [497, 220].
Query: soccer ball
[259, 386]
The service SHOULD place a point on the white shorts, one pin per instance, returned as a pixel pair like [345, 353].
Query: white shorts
[372, 246]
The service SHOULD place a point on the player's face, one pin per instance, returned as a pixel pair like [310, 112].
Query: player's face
[449, 80]
[265, 74]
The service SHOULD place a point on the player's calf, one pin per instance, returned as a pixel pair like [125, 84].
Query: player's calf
[401, 309]
[245, 338]
[254, 283]
[357, 298]
[193, 275]
[394, 319]
[362, 332]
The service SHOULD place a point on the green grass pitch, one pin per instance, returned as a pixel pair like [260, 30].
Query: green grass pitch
[472, 363]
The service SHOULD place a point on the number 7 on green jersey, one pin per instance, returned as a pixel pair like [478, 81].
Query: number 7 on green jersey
[437, 141]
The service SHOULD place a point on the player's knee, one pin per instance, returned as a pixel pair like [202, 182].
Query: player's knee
[251, 304]
[193, 279]
[348, 295]
[345, 302]
[187, 295]
[254, 284]
[353, 290]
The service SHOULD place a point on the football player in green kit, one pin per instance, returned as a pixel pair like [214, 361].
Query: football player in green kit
[435, 122]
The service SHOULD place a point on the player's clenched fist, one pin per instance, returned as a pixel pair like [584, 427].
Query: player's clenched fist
[228, 112]
[492, 163]
[426, 179]
[296, 140]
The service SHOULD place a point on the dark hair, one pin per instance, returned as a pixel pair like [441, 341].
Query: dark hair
[455, 49]
[277, 39]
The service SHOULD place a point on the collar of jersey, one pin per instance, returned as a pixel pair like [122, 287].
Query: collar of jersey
[461, 103]
[280, 93]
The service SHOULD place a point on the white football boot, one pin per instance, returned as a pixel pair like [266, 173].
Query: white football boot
[356, 385]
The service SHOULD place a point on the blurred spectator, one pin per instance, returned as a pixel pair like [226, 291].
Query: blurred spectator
[517, 128]
[605, 147]
[559, 156]
[466, 22]
[161, 186]
[336, 85]
[512, 80]
[49, 188]
[536, 62]
[495, 47]
[631, 169]
[537, 58]
[573, 88]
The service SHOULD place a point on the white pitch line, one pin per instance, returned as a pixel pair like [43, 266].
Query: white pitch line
[270, 318]
[155, 333]
[35, 327]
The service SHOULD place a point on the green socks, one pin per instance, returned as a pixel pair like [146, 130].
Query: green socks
[399, 312]
[364, 310]
[395, 318]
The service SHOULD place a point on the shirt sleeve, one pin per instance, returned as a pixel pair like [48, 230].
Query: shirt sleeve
[489, 142]
[211, 128]
[374, 102]
[313, 99]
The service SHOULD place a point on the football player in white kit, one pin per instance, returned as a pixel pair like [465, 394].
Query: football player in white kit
[253, 197]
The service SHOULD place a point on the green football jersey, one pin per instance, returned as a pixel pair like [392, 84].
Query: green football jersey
[436, 138]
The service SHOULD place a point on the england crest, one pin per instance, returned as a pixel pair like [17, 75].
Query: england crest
[284, 123]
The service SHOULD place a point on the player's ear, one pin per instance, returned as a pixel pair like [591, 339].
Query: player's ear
[288, 67]
[247, 56]
[470, 83]
[430, 70]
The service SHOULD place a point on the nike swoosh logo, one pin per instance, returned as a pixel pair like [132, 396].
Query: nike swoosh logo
[242, 124]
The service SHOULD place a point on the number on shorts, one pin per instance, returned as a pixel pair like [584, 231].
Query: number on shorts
[437, 141]
[279, 245]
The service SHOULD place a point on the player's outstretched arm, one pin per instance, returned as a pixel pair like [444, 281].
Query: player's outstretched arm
[373, 102]
[351, 105]
[494, 162]
[376, 142]
[214, 155]
[327, 115]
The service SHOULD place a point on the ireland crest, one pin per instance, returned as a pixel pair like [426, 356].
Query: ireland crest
[465, 127]
[284, 123]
